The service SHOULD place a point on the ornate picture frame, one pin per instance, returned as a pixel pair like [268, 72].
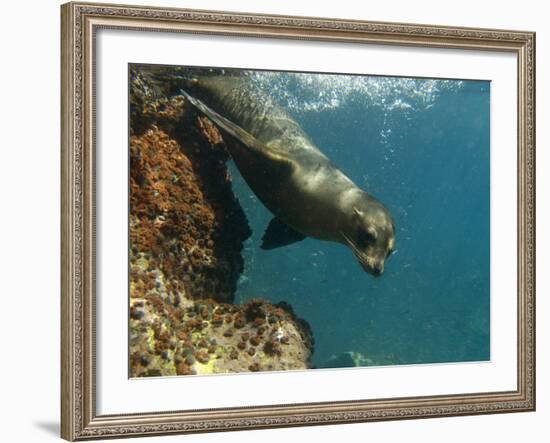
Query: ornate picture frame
[79, 388]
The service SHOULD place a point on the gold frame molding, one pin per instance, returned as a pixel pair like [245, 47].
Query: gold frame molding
[79, 22]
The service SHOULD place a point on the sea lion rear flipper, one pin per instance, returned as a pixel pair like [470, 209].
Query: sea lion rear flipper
[239, 133]
[279, 234]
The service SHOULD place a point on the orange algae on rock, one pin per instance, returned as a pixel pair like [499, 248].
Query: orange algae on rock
[186, 235]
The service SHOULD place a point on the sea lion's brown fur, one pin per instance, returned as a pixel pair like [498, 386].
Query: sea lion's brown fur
[287, 172]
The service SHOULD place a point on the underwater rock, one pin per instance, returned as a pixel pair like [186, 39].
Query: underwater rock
[344, 360]
[165, 340]
[186, 236]
[356, 359]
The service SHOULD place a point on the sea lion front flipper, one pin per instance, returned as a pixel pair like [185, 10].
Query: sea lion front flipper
[235, 131]
[279, 234]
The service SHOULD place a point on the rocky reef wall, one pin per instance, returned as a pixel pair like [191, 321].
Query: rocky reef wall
[186, 235]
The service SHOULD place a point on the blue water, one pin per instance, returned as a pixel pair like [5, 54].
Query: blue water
[421, 147]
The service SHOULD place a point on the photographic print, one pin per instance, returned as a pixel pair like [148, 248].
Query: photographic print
[299, 220]
[273, 221]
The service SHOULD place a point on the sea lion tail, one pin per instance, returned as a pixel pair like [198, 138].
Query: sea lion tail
[247, 145]
[238, 133]
[225, 124]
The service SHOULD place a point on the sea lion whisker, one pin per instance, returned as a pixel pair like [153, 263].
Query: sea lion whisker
[358, 253]
[350, 243]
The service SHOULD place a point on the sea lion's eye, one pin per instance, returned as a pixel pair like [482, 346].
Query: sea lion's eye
[364, 237]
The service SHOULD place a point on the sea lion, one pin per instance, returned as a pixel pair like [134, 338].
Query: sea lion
[306, 193]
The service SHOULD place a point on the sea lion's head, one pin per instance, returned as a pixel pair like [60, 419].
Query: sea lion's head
[371, 236]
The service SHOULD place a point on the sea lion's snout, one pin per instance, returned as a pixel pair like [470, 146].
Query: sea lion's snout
[373, 267]
[378, 269]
